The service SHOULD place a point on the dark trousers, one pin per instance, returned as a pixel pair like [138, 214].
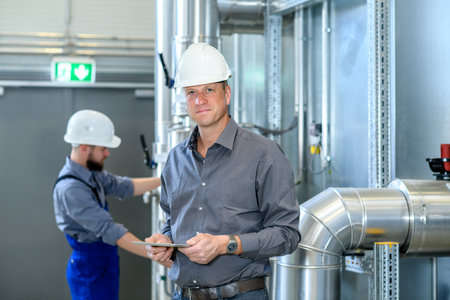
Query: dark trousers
[252, 295]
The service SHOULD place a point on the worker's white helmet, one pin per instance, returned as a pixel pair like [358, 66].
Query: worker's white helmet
[90, 127]
[201, 64]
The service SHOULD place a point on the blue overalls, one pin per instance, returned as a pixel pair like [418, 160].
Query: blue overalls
[93, 271]
[93, 268]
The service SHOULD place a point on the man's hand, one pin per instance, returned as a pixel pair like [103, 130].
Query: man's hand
[205, 247]
[160, 254]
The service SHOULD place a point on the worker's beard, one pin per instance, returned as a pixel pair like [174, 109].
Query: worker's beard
[94, 166]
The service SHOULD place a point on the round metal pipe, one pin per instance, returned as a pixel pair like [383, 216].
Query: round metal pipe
[413, 213]
[299, 89]
[332, 222]
[429, 205]
[163, 94]
[326, 66]
[243, 12]
[196, 21]
[163, 44]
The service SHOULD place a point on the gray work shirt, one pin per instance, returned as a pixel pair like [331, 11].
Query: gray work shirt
[244, 186]
[77, 211]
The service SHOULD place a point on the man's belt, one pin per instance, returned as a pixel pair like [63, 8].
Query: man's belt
[226, 290]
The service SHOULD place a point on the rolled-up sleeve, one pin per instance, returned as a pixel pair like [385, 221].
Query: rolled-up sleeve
[82, 207]
[119, 186]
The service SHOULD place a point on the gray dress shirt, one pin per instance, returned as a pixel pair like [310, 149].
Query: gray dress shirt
[244, 186]
[77, 211]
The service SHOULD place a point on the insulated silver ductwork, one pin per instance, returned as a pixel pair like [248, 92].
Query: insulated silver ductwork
[244, 16]
[195, 21]
[414, 213]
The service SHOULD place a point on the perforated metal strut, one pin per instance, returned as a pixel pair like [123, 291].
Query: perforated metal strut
[378, 29]
[273, 71]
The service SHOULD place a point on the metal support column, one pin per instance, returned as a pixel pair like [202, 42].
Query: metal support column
[272, 28]
[386, 256]
[378, 28]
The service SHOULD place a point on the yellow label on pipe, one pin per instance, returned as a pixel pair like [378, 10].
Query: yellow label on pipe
[315, 149]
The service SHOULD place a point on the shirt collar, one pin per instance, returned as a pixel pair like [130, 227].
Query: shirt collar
[226, 138]
[79, 170]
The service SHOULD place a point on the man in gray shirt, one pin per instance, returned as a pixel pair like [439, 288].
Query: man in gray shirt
[81, 210]
[227, 192]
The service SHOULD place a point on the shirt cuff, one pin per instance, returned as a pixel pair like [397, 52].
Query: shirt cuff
[250, 245]
[128, 188]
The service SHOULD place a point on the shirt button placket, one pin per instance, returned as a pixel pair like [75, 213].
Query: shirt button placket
[202, 200]
[201, 204]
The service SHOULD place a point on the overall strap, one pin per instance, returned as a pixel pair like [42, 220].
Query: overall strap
[94, 190]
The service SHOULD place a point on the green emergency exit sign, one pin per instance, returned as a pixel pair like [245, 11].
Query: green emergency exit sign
[73, 69]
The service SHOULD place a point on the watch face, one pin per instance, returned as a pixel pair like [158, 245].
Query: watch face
[231, 248]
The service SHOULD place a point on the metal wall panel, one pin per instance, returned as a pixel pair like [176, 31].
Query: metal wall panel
[348, 97]
[245, 56]
[134, 18]
[423, 94]
[349, 105]
[422, 108]
[32, 16]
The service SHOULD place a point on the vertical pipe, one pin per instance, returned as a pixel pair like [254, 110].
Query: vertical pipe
[236, 80]
[299, 87]
[68, 17]
[163, 94]
[309, 81]
[196, 21]
[68, 25]
[434, 278]
[163, 44]
[309, 67]
[325, 82]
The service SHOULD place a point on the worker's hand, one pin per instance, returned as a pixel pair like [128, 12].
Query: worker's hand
[205, 247]
[160, 254]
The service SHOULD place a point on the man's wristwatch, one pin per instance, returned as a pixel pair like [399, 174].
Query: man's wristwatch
[232, 244]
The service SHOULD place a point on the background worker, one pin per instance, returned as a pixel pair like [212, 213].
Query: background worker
[81, 209]
[227, 192]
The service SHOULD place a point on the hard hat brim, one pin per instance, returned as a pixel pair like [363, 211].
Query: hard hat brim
[199, 81]
[113, 144]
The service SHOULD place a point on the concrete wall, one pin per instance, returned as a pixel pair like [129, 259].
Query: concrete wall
[33, 251]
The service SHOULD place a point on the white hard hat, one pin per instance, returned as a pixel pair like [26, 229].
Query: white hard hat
[90, 127]
[201, 64]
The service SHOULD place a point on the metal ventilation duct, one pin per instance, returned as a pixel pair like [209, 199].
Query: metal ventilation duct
[414, 213]
[242, 16]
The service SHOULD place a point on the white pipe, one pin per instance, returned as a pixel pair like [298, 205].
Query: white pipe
[325, 83]
[299, 92]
